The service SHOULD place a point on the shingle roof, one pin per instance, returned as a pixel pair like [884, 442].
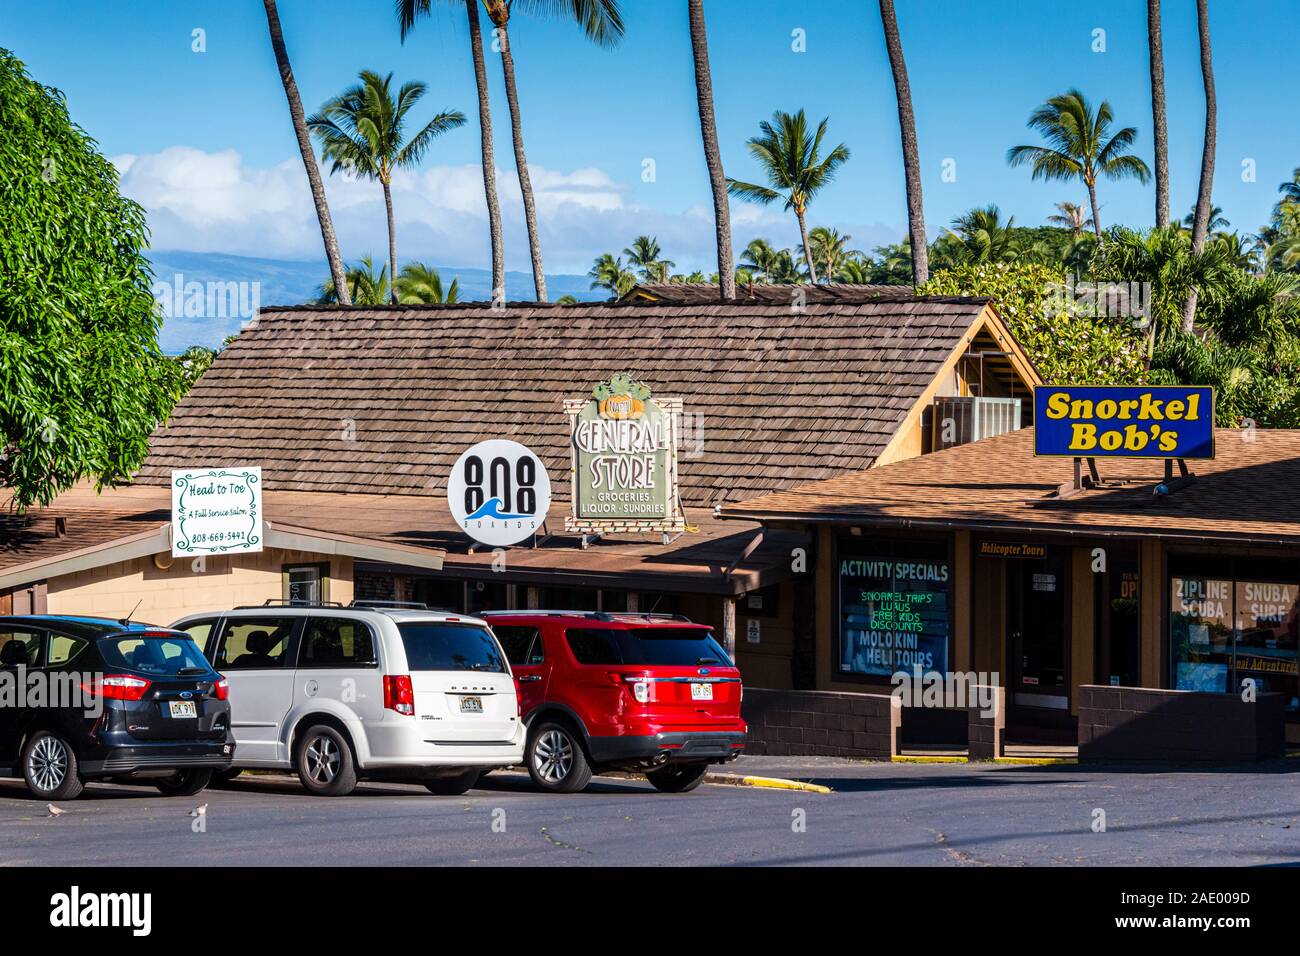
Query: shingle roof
[697, 561]
[1247, 493]
[384, 400]
[703, 293]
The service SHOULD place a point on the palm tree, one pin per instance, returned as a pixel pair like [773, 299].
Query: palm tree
[1158, 124]
[420, 284]
[1072, 217]
[304, 147]
[360, 132]
[608, 272]
[981, 236]
[1201, 221]
[645, 254]
[601, 22]
[791, 158]
[408, 11]
[712, 155]
[1164, 259]
[1080, 146]
[759, 259]
[1216, 220]
[830, 248]
[364, 284]
[911, 155]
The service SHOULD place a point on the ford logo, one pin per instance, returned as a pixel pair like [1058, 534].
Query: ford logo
[186, 695]
[703, 671]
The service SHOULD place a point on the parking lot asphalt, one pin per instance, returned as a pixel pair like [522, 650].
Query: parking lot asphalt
[878, 814]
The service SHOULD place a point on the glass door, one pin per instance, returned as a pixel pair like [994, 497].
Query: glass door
[1037, 604]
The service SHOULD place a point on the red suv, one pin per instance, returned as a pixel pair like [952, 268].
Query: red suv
[641, 692]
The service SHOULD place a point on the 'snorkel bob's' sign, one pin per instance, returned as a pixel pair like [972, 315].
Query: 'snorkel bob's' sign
[624, 459]
[1124, 421]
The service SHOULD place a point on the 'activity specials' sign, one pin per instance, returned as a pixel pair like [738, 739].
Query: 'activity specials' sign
[1124, 421]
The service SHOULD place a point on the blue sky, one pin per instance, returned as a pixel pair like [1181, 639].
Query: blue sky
[205, 143]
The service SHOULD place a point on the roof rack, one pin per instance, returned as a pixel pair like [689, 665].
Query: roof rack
[394, 605]
[288, 602]
[594, 615]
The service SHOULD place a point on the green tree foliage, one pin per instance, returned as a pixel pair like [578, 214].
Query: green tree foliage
[82, 381]
[1065, 345]
[608, 272]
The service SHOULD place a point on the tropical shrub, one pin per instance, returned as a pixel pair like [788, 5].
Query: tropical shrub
[1066, 345]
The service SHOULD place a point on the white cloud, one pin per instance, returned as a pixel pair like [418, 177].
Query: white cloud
[213, 202]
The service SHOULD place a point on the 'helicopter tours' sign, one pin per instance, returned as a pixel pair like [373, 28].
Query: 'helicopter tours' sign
[624, 460]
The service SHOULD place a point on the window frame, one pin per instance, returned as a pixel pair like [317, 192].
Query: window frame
[302, 664]
[293, 642]
[322, 569]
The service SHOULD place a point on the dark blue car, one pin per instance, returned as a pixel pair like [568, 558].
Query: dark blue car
[88, 698]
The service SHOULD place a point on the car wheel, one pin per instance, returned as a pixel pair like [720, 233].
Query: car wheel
[556, 760]
[324, 762]
[452, 786]
[50, 768]
[679, 779]
[225, 776]
[184, 783]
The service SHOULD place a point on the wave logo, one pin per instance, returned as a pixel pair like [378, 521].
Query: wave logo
[499, 493]
[491, 509]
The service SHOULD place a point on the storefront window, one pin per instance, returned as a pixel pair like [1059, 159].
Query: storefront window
[1225, 630]
[893, 606]
[1266, 637]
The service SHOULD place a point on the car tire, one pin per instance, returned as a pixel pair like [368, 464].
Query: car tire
[682, 778]
[322, 758]
[185, 783]
[556, 761]
[225, 776]
[453, 786]
[50, 767]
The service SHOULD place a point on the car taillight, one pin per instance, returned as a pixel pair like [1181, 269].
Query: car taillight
[640, 688]
[118, 687]
[399, 695]
[222, 689]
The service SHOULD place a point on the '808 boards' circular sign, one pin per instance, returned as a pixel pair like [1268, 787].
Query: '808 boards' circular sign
[499, 492]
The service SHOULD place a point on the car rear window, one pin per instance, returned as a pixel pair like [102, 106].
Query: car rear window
[436, 646]
[646, 645]
[156, 656]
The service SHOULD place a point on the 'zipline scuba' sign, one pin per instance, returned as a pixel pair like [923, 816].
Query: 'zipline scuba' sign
[1124, 421]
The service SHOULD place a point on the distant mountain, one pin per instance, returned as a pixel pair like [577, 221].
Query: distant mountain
[209, 295]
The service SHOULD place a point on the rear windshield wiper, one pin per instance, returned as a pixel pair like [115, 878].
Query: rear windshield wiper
[707, 660]
[188, 671]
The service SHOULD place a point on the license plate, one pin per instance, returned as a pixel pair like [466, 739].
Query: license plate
[701, 692]
[182, 708]
[471, 705]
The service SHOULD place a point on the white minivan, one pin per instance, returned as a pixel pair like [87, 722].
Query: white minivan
[382, 693]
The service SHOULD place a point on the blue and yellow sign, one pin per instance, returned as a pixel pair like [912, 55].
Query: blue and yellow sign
[1124, 421]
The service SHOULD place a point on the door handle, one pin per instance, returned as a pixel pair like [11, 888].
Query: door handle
[529, 677]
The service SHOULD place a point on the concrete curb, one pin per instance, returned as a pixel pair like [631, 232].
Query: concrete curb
[774, 783]
[1012, 761]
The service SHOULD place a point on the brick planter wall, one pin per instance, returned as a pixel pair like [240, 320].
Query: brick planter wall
[1144, 723]
[824, 723]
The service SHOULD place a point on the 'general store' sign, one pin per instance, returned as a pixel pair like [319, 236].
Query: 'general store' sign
[1124, 421]
[624, 459]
